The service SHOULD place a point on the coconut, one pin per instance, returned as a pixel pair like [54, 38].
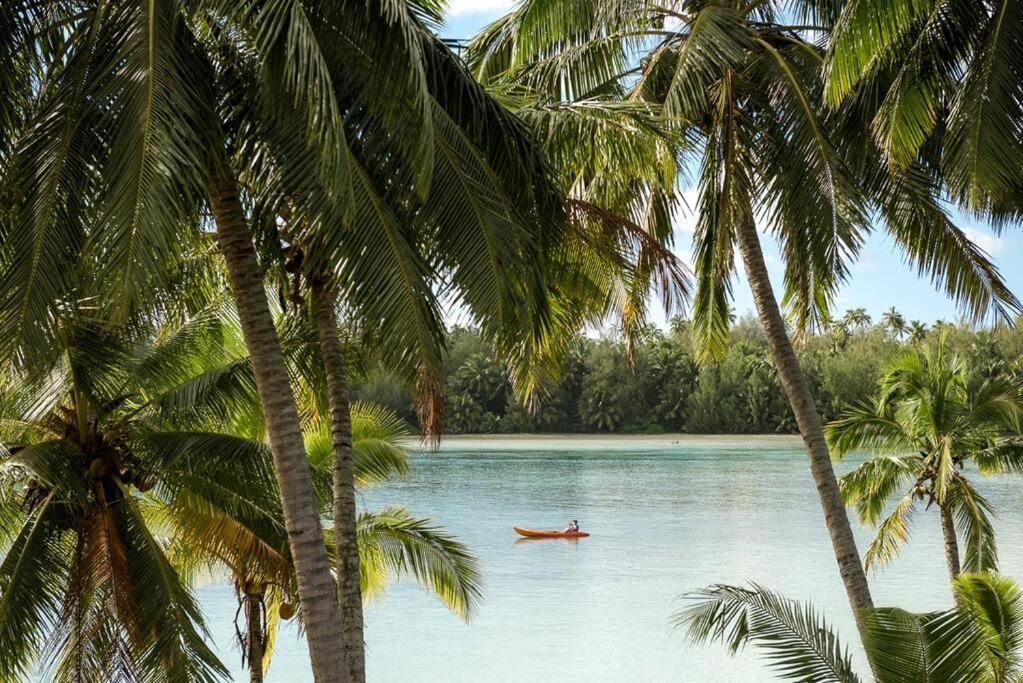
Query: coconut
[286, 610]
[98, 468]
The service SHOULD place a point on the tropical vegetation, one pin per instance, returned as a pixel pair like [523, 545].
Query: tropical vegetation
[221, 222]
[742, 86]
[927, 422]
[137, 461]
[978, 640]
[657, 384]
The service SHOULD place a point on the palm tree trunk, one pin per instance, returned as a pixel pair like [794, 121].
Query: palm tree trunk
[948, 530]
[349, 591]
[302, 520]
[808, 420]
[255, 635]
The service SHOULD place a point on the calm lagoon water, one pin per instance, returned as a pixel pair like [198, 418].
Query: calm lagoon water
[665, 517]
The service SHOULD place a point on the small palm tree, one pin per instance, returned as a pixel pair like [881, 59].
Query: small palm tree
[857, 318]
[894, 322]
[392, 543]
[917, 332]
[925, 424]
[85, 584]
[979, 640]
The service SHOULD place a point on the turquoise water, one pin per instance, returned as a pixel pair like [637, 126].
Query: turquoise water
[666, 518]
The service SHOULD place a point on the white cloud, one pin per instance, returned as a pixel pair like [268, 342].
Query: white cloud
[992, 244]
[458, 8]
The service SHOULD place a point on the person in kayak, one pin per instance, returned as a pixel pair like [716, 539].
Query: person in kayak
[572, 527]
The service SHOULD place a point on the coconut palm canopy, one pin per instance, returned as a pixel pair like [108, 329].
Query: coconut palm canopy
[86, 583]
[118, 487]
[927, 422]
[740, 88]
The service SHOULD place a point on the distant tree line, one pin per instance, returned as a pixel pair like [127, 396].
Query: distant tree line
[665, 389]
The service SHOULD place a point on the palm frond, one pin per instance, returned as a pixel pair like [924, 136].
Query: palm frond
[973, 514]
[794, 640]
[892, 534]
[31, 583]
[995, 604]
[394, 545]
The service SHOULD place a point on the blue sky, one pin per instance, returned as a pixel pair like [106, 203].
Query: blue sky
[879, 279]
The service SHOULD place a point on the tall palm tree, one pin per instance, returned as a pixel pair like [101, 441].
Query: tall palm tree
[894, 322]
[143, 114]
[857, 318]
[746, 89]
[979, 640]
[86, 588]
[926, 424]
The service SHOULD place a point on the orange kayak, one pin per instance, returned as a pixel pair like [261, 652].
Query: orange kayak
[533, 533]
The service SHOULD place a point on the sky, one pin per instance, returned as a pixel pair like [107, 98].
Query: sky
[879, 279]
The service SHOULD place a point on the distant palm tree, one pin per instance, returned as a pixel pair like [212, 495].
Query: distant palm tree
[925, 424]
[894, 322]
[857, 318]
[979, 640]
[917, 332]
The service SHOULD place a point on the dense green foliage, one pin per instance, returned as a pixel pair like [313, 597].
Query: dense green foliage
[665, 390]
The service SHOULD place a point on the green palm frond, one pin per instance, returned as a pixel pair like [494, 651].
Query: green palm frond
[394, 545]
[32, 577]
[43, 238]
[725, 201]
[184, 352]
[152, 169]
[979, 640]
[995, 604]
[892, 534]
[818, 211]
[718, 39]
[867, 426]
[1004, 455]
[793, 639]
[871, 484]
[973, 513]
[902, 646]
[939, 249]
[983, 151]
[864, 31]
[175, 637]
[379, 439]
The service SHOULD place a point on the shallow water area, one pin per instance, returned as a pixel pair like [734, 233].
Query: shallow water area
[667, 514]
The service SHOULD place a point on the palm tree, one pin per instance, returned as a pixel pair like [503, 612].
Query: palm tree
[894, 322]
[977, 641]
[146, 113]
[925, 424]
[744, 87]
[857, 318]
[85, 583]
[917, 332]
[946, 73]
[392, 543]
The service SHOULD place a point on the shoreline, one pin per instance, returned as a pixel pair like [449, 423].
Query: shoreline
[595, 436]
[608, 442]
